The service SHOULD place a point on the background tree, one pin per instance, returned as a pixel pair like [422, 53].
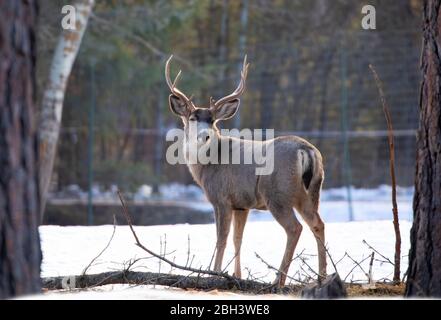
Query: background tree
[53, 97]
[295, 84]
[424, 274]
[20, 254]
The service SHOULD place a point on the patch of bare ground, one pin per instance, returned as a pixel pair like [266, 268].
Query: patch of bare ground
[379, 290]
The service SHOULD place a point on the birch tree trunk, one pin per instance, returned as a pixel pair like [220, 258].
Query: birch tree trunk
[20, 254]
[52, 104]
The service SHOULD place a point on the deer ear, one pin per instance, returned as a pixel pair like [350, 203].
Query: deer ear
[227, 110]
[178, 106]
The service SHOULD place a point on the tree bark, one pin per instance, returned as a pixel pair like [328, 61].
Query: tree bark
[424, 273]
[20, 254]
[53, 97]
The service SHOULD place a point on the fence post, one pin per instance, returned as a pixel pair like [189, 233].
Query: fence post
[346, 164]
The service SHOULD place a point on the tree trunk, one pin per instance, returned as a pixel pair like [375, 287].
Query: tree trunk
[242, 49]
[53, 97]
[20, 254]
[424, 274]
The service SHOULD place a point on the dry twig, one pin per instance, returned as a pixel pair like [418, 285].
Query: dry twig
[105, 248]
[376, 251]
[390, 135]
[159, 256]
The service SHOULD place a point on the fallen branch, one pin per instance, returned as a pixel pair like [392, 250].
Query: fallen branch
[170, 280]
[162, 258]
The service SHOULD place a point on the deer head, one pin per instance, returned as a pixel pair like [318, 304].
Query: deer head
[203, 119]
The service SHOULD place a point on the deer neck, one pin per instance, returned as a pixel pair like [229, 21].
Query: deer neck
[197, 169]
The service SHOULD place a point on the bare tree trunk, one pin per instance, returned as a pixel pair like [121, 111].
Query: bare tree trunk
[52, 104]
[242, 48]
[20, 254]
[424, 273]
[223, 46]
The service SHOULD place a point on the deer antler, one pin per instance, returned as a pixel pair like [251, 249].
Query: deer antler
[172, 85]
[240, 88]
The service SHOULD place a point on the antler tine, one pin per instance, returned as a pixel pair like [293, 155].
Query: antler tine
[177, 78]
[167, 73]
[172, 85]
[240, 87]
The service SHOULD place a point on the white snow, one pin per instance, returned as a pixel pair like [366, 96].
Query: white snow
[143, 193]
[143, 292]
[67, 250]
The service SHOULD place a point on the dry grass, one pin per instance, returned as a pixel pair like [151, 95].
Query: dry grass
[380, 290]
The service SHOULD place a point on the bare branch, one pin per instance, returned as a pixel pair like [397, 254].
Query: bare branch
[139, 244]
[357, 264]
[275, 269]
[371, 263]
[392, 174]
[105, 248]
[376, 251]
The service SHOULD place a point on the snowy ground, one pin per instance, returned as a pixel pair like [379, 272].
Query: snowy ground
[67, 250]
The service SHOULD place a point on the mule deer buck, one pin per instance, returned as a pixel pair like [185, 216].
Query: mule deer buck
[234, 189]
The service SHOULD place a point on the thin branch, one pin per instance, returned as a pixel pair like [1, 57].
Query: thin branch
[329, 255]
[212, 258]
[188, 250]
[376, 251]
[274, 268]
[371, 263]
[229, 262]
[105, 248]
[139, 244]
[357, 264]
[392, 174]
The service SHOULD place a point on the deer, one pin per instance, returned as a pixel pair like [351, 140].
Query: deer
[234, 189]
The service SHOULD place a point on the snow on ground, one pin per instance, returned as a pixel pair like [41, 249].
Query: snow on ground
[367, 204]
[67, 250]
[150, 292]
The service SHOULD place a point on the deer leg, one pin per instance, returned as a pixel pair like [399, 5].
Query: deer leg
[315, 223]
[286, 218]
[239, 220]
[310, 214]
[223, 218]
